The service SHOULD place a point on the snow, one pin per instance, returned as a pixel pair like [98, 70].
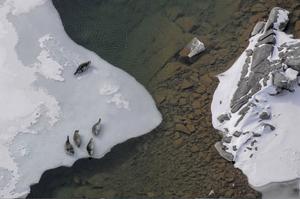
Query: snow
[277, 157]
[19, 7]
[47, 66]
[42, 102]
[291, 74]
[282, 16]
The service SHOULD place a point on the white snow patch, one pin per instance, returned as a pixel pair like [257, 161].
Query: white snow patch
[108, 89]
[19, 7]
[47, 66]
[283, 16]
[119, 101]
[116, 97]
[291, 74]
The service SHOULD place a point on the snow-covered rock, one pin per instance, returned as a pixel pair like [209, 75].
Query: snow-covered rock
[193, 48]
[262, 97]
[258, 28]
[42, 102]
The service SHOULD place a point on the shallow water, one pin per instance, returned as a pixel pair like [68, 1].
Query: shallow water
[137, 36]
[143, 37]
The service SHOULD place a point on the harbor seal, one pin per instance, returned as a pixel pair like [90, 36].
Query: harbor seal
[82, 68]
[77, 138]
[90, 147]
[68, 147]
[97, 128]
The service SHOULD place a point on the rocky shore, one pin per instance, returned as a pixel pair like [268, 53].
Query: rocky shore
[255, 106]
[179, 158]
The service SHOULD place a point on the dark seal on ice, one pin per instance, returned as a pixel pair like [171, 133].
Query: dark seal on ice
[90, 147]
[68, 147]
[82, 68]
[97, 128]
[77, 138]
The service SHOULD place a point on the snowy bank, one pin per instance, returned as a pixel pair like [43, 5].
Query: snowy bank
[256, 106]
[42, 102]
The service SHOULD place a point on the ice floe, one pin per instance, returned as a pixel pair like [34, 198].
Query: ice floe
[42, 102]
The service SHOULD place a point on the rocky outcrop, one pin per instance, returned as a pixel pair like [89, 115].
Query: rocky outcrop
[264, 116]
[261, 66]
[278, 19]
[222, 151]
[269, 64]
[258, 28]
[223, 117]
[281, 82]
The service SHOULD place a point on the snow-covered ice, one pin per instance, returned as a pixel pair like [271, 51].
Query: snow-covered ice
[266, 150]
[42, 102]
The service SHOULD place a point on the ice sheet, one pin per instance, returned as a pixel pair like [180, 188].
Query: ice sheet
[42, 101]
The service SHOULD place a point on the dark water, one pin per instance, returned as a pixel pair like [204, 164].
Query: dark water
[138, 35]
[142, 37]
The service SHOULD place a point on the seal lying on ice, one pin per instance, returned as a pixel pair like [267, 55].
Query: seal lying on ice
[82, 68]
[90, 147]
[97, 128]
[68, 147]
[77, 138]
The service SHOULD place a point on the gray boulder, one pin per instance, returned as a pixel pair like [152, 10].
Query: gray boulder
[268, 126]
[226, 155]
[267, 38]
[249, 53]
[237, 134]
[278, 19]
[258, 28]
[281, 81]
[293, 62]
[264, 115]
[227, 139]
[256, 134]
[260, 54]
[266, 35]
[222, 118]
